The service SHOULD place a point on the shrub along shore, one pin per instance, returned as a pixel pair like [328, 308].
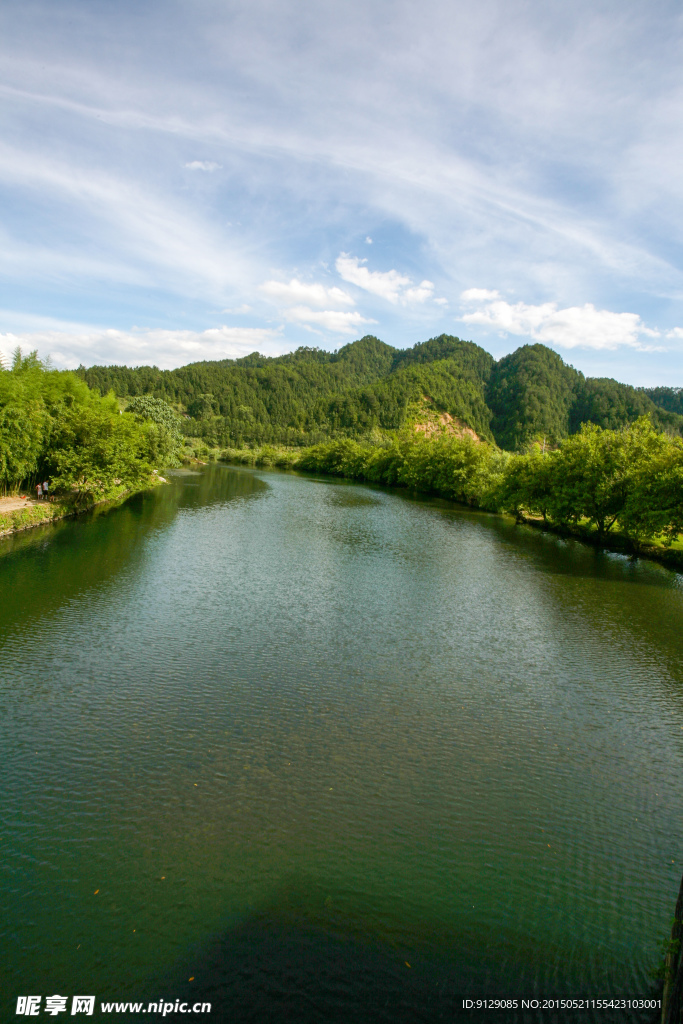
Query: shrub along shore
[618, 489]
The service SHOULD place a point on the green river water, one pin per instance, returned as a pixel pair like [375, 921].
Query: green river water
[287, 736]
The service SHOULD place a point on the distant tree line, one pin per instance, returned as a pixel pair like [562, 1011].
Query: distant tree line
[307, 396]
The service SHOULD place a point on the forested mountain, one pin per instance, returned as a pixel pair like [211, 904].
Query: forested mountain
[668, 398]
[309, 395]
[533, 392]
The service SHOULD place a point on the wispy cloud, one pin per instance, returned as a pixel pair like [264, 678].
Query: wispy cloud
[203, 165]
[149, 238]
[574, 327]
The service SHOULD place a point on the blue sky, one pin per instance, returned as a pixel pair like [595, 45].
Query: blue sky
[194, 180]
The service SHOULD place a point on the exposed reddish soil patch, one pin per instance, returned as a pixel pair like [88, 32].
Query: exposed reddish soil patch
[444, 423]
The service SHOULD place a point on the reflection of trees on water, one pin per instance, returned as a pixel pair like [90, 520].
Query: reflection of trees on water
[46, 567]
[213, 485]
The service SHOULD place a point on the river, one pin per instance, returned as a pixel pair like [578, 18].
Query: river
[335, 754]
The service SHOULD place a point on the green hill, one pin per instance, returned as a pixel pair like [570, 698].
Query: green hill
[367, 386]
[670, 399]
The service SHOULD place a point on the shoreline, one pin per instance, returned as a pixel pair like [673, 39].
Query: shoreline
[671, 558]
[54, 512]
[620, 544]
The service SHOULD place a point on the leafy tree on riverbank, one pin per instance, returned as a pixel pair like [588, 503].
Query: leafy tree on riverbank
[655, 501]
[92, 448]
[458, 468]
[527, 485]
[633, 477]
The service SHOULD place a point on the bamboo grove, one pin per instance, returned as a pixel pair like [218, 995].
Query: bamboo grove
[52, 425]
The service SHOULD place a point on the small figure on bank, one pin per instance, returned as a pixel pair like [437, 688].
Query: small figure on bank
[45, 490]
[39, 489]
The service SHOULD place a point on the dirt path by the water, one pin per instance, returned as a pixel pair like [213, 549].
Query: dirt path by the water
[14, 503]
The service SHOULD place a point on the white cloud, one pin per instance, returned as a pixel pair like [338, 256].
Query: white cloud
[421, 293]
[328, 319]
[310, 294]
[386, 284]
[163, 348]
[389, 284]
[478, 295]
[441, 302]
[368, 240]
[573, 327]
[203, 165]
[296, 298]
[675, 332]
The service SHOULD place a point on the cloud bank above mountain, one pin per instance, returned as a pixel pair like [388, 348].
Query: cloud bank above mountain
[575, 327]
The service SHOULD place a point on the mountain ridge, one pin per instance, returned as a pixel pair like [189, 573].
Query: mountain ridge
[368, 386]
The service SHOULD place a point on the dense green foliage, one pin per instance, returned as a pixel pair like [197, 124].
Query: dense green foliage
[308, 396]
[53, 426]
[531, 392]
[457, 468]
[670, 399]
[600, 456]
[534, 394]
[164, 433]
[633, 477]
